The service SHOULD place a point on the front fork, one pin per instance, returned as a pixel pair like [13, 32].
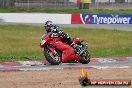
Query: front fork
[53, 51]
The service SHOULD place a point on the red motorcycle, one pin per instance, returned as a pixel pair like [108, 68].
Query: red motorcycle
[57, 51]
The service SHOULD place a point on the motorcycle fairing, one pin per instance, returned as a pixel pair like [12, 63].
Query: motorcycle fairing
[67, 52]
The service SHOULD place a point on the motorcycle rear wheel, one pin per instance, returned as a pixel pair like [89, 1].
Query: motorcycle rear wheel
[52, 60]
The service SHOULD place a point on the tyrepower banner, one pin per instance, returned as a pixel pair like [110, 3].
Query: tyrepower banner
[101, 19]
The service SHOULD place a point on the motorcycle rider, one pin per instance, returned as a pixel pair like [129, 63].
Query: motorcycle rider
[56, 32]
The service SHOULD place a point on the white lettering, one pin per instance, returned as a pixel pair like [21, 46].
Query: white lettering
[114, 20]
[105, 20]
[111, 20]
[125, 20]
[119, 20]
[94, 16]
[128, 19]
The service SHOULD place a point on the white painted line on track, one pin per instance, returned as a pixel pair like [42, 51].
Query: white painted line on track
[1, 66]
[31, 63]
[108, 67]
[105, 60]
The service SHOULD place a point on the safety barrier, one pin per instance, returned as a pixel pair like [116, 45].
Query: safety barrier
[35, 18]
[66, 18]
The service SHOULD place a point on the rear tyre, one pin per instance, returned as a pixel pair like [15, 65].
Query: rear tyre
[53, 59]
[85, 57]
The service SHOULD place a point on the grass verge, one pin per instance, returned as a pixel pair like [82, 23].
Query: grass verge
[66, 10]
[21, 42]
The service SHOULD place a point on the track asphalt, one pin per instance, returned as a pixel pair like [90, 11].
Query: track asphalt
[96, 63]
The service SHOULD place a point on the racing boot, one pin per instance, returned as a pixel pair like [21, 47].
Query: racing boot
[76, 48]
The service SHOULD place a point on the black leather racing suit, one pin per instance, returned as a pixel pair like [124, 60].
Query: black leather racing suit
[56, 32]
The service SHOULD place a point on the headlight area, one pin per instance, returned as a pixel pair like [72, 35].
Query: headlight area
[42, 42]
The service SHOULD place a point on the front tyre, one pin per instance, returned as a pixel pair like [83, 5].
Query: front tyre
[85, 57]
[54, 59]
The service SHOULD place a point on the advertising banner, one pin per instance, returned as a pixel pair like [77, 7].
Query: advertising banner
[35, 18]
[101, 19]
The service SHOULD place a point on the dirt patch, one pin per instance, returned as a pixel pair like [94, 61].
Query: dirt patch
[59, 78]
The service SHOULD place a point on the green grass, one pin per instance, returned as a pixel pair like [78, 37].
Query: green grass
[66, 10]
[21, 42]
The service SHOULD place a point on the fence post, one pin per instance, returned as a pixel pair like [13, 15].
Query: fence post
[28, 4]
[41, 4]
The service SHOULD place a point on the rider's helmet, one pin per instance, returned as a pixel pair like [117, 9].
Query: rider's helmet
[48, 26]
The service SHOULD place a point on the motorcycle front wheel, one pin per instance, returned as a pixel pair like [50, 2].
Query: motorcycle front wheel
[54, 59]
